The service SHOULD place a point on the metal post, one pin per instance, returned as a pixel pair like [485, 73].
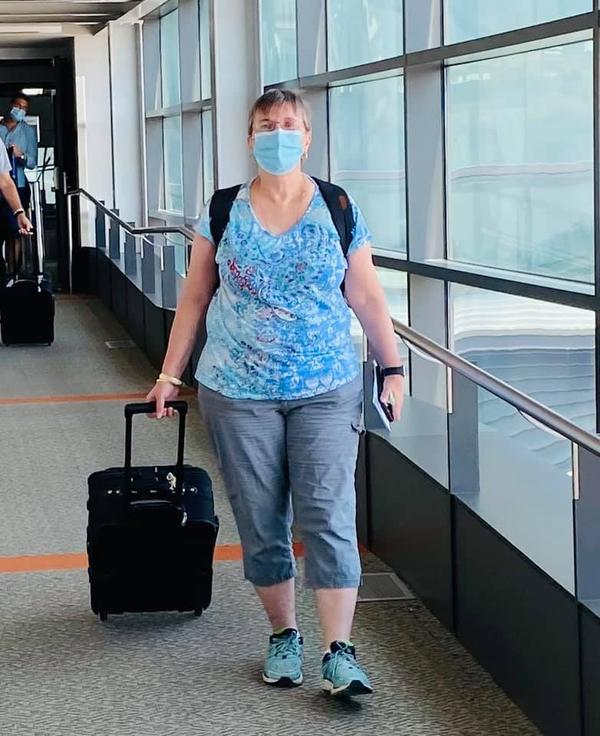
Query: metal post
[463, 434]
[114, 248]
[586, 469]
[148, 279]
[188, 257]
[130, 254]
[100, 228]
[168, 280]
[39, 224]
[70, 239]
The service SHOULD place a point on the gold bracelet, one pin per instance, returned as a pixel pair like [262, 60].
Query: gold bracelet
[165, 378]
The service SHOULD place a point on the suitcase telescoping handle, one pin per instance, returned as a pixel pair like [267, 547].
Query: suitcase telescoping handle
[131, 410]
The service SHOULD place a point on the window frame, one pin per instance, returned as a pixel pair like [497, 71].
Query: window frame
[156, 160]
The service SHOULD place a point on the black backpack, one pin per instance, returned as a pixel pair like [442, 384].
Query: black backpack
[335, 197]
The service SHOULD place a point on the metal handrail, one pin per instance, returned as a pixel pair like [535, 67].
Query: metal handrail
[181, 229]
[523, 403]
[187, 232]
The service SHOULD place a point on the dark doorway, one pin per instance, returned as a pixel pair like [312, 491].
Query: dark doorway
[51, 85]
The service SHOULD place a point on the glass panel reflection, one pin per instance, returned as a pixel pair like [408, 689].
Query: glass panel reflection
[169, 55]
[360, 31]
[367, 155]
[520, 162]
[544, 350]
[172, 163]
[205, 52]
[278, 40]
[179, 245]
[524, 492]
[465, 19]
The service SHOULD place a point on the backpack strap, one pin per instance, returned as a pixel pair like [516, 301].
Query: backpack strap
[340, 209]
[220, 207]
[336, 199]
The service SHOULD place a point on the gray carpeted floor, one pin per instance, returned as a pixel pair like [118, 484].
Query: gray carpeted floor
[63, 673]
[163, 675]
[78, 362]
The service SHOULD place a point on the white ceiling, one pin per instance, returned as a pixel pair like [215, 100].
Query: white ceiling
[29, 22]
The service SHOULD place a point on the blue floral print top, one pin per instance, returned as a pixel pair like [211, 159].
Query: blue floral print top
[278, 326]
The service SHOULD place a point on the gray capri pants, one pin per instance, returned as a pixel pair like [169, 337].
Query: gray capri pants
[291, 460]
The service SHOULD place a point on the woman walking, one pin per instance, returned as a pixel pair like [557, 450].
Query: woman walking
[280, 385]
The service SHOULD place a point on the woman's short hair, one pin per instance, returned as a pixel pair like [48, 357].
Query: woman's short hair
[276, 98]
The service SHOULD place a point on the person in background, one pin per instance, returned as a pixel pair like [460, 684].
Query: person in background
[10, 199]
[20, 140]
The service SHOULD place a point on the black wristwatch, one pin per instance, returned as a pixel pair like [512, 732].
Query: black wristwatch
[396, 370]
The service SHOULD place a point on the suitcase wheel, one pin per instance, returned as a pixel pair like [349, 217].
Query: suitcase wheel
[198, 611]
[103, 614]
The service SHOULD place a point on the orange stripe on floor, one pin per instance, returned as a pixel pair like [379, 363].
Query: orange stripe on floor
[80, 398]
[79, 561]
[39, 563]
[233, 552]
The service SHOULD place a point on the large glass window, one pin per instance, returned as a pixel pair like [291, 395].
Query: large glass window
[169, 57]
[360, 31]
[278, 40]
[520, 162]
[544, 350]
[367, 154]
[525, 472]
[517, 484]
[465, 19]
[177, 63]
[172, 164]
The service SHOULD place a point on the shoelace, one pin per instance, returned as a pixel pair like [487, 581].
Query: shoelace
[284, 647]
[343, 656]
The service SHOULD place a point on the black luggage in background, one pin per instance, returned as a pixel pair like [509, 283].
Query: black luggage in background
[27, 305]
[151, 532]
[27, 313]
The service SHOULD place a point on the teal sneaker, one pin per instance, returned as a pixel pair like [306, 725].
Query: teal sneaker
[283, 665]
[342, 674]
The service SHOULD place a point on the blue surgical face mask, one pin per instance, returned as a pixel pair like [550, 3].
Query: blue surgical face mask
[278, 151]
[17, 114]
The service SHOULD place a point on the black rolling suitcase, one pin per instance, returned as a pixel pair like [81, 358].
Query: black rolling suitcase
[27, 313]
[27, 307]
[151, 533]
